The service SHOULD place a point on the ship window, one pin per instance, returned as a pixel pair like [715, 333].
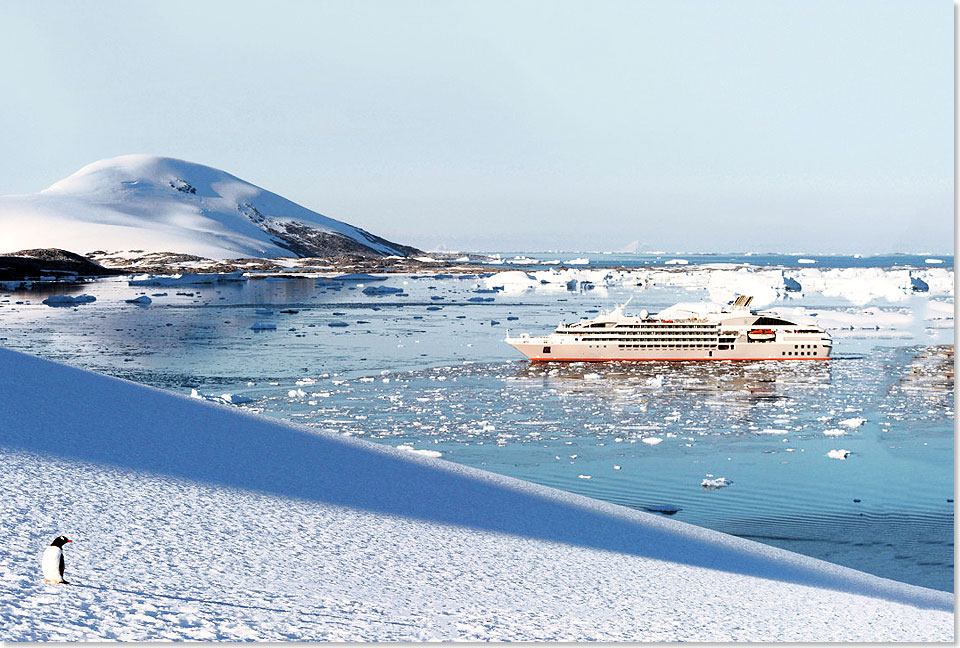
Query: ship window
[546, 350]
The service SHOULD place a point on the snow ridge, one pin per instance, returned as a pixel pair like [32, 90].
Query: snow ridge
[237, 521]
[160, 204]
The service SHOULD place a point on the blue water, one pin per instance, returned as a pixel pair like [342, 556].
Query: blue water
[428, 369]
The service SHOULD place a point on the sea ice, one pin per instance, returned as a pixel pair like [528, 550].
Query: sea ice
[436, 454]
[838, 454]
[67, 300]
[142, 300]
[381, 290]
[716, 483]
[852, 422]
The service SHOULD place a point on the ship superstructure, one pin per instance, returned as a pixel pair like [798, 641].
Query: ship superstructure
[685, 331]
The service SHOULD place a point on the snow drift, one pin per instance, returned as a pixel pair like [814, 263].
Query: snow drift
[247, 528]
[159, 204]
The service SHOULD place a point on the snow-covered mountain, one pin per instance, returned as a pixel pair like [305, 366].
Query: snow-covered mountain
[159, 204]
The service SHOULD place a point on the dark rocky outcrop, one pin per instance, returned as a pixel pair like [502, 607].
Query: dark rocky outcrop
[49, 262]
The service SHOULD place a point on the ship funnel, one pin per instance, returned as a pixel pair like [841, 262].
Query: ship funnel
[742, 302]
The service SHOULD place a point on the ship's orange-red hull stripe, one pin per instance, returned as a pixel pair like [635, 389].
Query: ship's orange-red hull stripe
[666, 359]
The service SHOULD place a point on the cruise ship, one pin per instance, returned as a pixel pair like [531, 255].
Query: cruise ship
[685, 331]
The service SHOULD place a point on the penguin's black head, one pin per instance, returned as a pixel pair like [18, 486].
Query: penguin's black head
[59, 541]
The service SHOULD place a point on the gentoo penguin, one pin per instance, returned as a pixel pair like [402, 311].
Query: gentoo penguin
[53, 560]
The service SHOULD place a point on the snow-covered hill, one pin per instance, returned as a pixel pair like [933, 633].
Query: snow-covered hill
[159, 204]
[197, 521]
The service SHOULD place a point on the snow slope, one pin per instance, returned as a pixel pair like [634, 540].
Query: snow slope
[158, 204]
[198, 521]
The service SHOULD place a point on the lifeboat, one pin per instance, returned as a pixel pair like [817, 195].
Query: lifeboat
[762, 335]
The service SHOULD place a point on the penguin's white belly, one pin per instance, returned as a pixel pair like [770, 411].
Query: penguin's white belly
[51, 564]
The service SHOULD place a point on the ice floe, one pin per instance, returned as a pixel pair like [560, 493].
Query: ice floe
[838, 454]
[436, 454]
[716, 483]
[67, 300]
[142, 300]
[852, 422]
[226, 399]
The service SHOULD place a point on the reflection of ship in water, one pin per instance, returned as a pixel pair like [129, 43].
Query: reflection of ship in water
[745, 382]
[685, 331]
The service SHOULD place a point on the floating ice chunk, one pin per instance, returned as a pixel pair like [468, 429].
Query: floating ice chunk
[296, 393]
[772, 431]
[226, 399]
[676, 262]
[838, 454]
[852, 422]
[806, 261]
[381, 290]
[235, 399]
[834, 432]
[67, 300]
[615, 467]
[933, 261]
[263, 326]
[591, 377]
[584, 477]
[142, 300]
[652, 440]
[426, 453]
[264, 311]
[715, 484]
[338, 324]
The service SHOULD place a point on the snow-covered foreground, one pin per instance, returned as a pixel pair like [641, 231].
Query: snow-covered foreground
[194, 521]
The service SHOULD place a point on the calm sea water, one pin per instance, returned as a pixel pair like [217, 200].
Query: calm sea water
[429, 370]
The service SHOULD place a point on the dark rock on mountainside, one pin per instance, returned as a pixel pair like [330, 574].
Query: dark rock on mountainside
[49, 262]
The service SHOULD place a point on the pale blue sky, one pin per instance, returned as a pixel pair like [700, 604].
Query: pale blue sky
[687, 125]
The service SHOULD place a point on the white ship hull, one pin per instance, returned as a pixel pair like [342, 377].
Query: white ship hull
[684, 332]
[533, 349]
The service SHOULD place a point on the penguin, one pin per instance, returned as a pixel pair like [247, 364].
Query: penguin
[53, 560]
